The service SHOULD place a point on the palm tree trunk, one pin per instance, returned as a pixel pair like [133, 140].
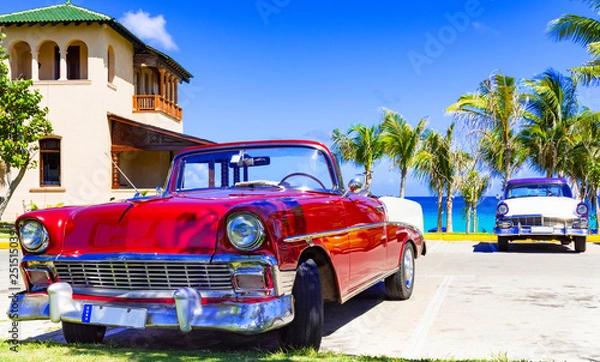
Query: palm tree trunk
[507, 158]
[583, 191]
[475, 218]
[469, 219]
[368, 179]
[440, 193]
[449, 209]
[403, 175]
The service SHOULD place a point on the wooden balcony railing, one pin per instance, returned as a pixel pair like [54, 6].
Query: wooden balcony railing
[156, 103]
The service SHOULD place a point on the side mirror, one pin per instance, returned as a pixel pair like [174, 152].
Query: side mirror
[355, 185]
[159, 191]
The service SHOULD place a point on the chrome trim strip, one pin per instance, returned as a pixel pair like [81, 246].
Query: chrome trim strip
[324, 234]
[148, 294]
[408, 226]
[158, 258]
[368, 285]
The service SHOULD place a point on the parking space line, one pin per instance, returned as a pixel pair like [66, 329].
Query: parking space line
[417, 339]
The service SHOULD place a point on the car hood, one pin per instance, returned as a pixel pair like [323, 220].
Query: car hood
[180, 223]
[562, 207]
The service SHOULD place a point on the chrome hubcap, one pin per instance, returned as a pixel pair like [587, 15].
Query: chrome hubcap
[409, 268]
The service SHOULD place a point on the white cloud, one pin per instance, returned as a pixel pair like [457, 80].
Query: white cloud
[484, 29]
[149, 28]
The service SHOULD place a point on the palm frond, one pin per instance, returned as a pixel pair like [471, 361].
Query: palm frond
[580, 29]
[593, 4]
[587, 74]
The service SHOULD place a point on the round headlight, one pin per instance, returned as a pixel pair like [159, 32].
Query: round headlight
[245, 231]
[33, 236]
[502, 209]
[582, 209]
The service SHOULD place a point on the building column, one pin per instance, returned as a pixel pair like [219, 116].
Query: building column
[176, 98]
[172, 95]
[35, 68]
[161, 82]
[115, 171]
[63, 65]
[168, 94]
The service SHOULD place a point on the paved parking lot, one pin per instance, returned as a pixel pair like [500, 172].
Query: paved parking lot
[538, 301]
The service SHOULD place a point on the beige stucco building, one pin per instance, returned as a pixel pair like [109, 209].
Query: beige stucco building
[113, 101]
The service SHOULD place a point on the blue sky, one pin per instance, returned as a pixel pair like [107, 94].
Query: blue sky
[267, 69]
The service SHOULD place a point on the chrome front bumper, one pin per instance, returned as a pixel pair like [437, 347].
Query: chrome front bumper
[537, 231]
[186, 313]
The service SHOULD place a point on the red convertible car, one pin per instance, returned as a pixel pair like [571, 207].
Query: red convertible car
[246, 237]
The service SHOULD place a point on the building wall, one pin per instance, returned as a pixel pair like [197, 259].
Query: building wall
[78, 112]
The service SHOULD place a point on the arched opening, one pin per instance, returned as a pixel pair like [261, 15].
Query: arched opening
[77, 60]
[49, 61]
[111, 64]
[20, 61]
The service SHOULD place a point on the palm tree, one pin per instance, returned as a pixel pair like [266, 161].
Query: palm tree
[360, 145]
[552, 112]
[585, 31]
[452, 162]
[493, 112]
[583, 164]
[472, 188]
[429, 164]
[401, 143]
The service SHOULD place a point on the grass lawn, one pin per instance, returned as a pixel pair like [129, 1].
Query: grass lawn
[49, 351]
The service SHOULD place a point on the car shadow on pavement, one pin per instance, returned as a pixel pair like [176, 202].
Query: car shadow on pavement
[336, 316]
[525, 248]
[54, 336]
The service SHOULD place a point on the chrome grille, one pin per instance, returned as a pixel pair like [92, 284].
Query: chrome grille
[538, 220]
[144, 275]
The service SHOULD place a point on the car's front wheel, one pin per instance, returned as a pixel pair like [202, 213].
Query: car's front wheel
[580, 244]
[306, 330]
[399, 286]
[83, 333]
[502, 243]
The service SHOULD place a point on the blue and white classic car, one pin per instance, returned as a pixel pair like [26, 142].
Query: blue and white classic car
[541, 209]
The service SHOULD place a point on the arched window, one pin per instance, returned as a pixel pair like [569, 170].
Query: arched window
[49, 61]
[50, 162]
[77, 60]
[20, 61]
[111, 64]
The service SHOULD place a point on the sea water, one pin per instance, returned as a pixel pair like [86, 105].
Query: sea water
[486, 213]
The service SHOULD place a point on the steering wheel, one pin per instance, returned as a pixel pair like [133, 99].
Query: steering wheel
[305, 175]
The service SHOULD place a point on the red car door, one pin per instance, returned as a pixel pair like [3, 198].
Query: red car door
[367, 238]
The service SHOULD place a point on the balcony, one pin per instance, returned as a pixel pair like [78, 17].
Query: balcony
[156, 103]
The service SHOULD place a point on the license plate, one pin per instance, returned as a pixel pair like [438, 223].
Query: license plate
[114, 316]
[542, 229]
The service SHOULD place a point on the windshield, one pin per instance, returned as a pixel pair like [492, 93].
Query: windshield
[280, 167]
[539, 189]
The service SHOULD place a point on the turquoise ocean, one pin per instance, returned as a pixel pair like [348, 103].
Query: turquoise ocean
[486, 213]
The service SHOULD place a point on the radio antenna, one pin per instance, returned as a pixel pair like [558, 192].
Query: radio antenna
[123, 173]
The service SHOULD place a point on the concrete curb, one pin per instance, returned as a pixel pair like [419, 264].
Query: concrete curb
[5, 244]
[461, 237]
